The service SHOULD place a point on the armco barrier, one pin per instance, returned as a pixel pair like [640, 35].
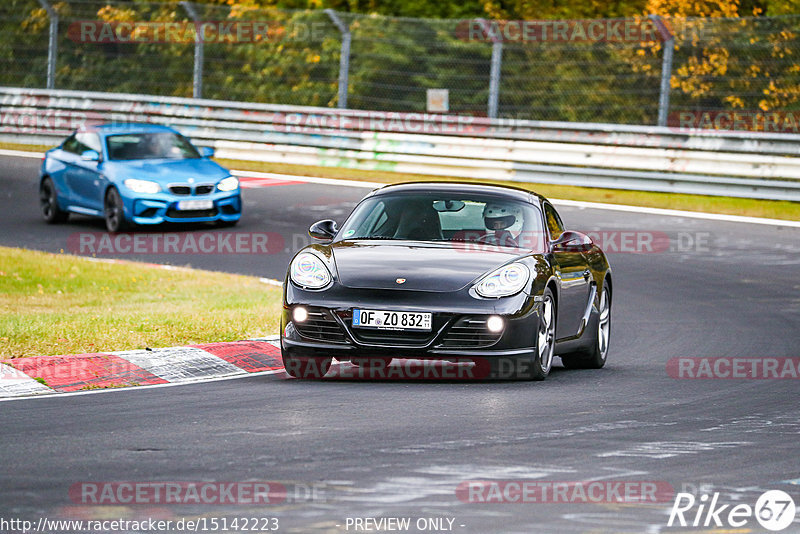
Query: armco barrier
[707, 162]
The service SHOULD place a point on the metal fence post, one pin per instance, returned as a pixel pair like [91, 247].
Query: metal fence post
[344, 57]
[668, 42]
[494, 70]
[52, 45]
[197, 78]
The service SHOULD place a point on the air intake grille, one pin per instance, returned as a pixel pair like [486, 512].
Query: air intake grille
[470, 332]
[190, 214]
[180, 190]
[183, 190]
[321, 326]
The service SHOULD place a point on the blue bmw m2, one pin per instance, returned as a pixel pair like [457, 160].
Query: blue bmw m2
[136, 174]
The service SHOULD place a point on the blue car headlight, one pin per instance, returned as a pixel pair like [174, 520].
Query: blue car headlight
[309, 271]
[228, 184]
[503, 282]
[142, 186]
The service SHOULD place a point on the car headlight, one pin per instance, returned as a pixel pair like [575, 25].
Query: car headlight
[228, 184]
[308, 271]
[503, 282]
[142, 186]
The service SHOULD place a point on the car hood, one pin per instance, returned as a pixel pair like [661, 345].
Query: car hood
[425, 266]
[168, 171]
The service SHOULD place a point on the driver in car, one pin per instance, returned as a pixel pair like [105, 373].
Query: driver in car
[498, 218]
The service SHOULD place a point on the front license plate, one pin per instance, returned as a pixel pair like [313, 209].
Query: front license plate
[392, 320]
[195, 204]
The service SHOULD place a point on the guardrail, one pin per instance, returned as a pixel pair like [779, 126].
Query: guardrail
[706, 162]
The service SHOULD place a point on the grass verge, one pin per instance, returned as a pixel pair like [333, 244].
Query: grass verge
[60, 304]
[772, 209]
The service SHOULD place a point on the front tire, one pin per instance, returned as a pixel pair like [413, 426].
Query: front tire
[537, 365]
[595, 358]
[114, 212]
[306, 366]
[48, 200]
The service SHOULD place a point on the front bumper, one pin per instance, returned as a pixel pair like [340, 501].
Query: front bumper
[458, 328]
[163, 207]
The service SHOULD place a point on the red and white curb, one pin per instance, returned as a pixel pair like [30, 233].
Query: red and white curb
[39, 375]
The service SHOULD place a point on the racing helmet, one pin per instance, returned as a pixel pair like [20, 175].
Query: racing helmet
[500, 216]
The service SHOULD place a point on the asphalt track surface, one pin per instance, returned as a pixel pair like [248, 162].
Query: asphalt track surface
[377, 448]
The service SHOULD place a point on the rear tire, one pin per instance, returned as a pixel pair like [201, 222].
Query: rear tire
[48, 200]
[596, 357]
[114, 212]
[306, 366]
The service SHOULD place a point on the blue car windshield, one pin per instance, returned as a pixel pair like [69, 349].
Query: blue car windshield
[466, 218]
[159, 145]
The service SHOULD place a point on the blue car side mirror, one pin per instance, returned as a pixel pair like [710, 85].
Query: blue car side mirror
[90, 155]
[206, 152]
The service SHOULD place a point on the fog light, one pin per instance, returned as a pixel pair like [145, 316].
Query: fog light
[299, 314]
[495, 324]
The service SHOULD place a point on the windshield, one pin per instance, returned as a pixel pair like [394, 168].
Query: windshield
[484, 219]
[150, 146]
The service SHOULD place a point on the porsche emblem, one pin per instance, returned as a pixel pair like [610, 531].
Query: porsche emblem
[401, 280]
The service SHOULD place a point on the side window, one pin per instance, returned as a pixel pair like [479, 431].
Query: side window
[89, 141]
[71, 145]
[554, 225]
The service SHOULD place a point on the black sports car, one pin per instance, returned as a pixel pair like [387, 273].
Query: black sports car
[452, 272]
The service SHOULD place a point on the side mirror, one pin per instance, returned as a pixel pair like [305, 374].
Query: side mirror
[570, 241]
[90, 155]
[325, 230]
[206, 152]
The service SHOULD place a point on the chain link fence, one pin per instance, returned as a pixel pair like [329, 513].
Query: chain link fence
[584, 71]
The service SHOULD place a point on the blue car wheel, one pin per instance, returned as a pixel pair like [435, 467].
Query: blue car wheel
[114, 212]
[48, 199]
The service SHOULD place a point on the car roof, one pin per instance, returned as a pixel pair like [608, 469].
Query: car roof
[461, 187]
[126, 127]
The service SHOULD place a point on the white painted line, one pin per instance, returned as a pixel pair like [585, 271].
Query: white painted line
[562, 202]
[16, 383]
[309, 179]
[573, 203]
[180, 364]
[271, 282]
[20, 153]
[676, 213]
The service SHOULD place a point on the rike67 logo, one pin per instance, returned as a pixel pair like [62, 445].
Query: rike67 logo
[774, 510]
